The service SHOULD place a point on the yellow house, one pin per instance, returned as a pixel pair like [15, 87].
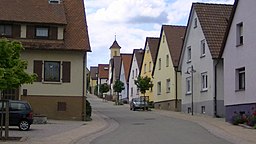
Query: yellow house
[166, 77]
[148, 61]
[93, 78]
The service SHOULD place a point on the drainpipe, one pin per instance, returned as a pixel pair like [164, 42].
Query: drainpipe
[83, 89]
[176, 89]
[215, 89]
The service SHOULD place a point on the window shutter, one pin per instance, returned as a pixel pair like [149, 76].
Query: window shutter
[38, 70]
[66, 70]
[53, 33]
[30, 31]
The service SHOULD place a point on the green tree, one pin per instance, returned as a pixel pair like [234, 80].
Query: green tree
[12, 67]
[143, 83]
[104, 88]
[118, 87]
[12, 73]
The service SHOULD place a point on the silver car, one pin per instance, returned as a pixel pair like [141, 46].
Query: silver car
[138, 103]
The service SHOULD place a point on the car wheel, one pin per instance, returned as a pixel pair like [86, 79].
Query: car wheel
[133, 109]
[24, 125]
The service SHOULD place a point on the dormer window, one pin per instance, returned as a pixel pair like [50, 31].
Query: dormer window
[5, 30]
[42, 32]
[54, 1]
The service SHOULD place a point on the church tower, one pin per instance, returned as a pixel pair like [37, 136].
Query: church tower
[114, 49]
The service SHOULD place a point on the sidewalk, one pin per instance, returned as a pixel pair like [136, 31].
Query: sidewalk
[217, 126]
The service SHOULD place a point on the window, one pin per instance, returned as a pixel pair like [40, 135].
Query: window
[15, 106]
[159, 64]
[158, 88]
[240, 38]
[163, 38]
[61, 106]
[5, 30]
[167, 60]
[204, 81]
[136, 72]
[195, 23]
[150, 67]
[202, 48]
[145, 68]
[168, 85]
[138, 91]
[188, 85]
[203, 109]
[52, 71]
[115, 53]
[42, 32]
[189, 54]
[132, 74]
[54, 1]
[240, 78]
[131, 91]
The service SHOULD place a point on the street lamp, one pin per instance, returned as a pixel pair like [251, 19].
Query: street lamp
[191, 70]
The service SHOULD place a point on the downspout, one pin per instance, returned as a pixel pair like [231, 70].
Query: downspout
[176, 90]
[83, 89]
[215, 89]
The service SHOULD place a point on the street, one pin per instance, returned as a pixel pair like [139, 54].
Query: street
[147, 127]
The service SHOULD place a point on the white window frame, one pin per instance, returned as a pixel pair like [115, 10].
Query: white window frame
[195, 22]
[188, 85]
[145, 68]
[159, 64]
[167, 60]
[239, 34]
[168, 85]
[150, 66]
[204, 81]
[159, 88]
[203, 48]
[189, 52]
[240, 79]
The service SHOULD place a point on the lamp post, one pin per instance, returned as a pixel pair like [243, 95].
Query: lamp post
[191, 70]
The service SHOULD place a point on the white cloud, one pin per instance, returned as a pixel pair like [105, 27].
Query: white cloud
[132, 21]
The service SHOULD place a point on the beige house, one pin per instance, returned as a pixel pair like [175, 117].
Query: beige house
[54, 34]
[166, 76]
[93, 79]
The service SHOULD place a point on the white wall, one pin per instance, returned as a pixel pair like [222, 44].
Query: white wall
[131, 80]
[200, 64]
[241, 56]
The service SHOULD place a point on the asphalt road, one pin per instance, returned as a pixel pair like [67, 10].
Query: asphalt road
[147, 127]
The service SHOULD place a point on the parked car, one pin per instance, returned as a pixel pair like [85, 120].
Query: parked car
[20, 113]
[138, 103]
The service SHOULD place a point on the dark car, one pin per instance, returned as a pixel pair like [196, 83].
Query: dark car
[20, 113]
[138, 103]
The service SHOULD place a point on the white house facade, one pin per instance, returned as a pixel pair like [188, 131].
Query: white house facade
[239, 60]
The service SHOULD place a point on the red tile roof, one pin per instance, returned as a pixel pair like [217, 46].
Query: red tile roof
[103, 71]
[69, 13]
[127, 60]
[153, 44]
[214, 21]
[36, 11]
[174, 37]
[139, 55]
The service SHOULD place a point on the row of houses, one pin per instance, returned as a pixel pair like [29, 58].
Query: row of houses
[205, 67]
[55, 37]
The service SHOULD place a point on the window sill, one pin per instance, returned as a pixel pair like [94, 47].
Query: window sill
[202, 56]
[204, 90]
[238, 45]
[189, 61]
[240, 90]
[49, 82]
[188, 93]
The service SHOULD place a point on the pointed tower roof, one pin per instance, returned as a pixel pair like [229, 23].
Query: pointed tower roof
[115, 45]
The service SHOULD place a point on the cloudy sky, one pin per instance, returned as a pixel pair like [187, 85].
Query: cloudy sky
[131, 21]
